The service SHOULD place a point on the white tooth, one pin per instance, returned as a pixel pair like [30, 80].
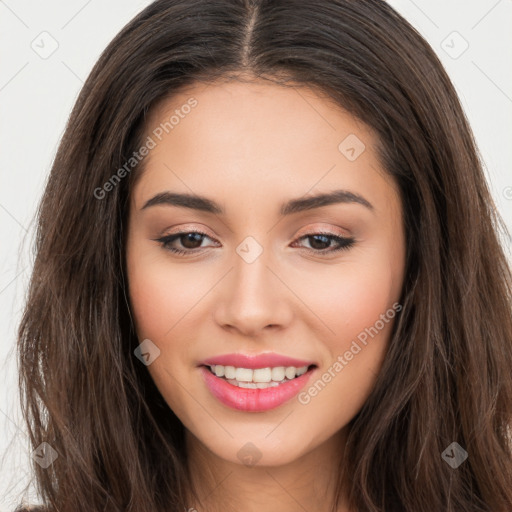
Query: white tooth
[263, 385]
[302, 371]
[229, 372]
[249, 385]
[243, 375]
[262, 375]
[278, 373]
[259, 375]
[290, 372]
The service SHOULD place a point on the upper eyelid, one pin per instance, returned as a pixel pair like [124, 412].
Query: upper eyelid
[311, 232]
[308, 233]
[186, 231]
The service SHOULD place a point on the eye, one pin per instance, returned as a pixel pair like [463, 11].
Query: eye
[191, 241]
[320, 243]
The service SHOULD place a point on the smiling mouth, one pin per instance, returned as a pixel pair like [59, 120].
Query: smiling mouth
[258, 378]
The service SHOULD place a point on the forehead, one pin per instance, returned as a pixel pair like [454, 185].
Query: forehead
[258, 107]
[257, 138]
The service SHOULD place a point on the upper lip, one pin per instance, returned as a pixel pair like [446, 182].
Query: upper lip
[259, 361]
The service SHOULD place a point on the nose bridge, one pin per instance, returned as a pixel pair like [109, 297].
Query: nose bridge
[253, 284]
[251, 276]
[253, 296]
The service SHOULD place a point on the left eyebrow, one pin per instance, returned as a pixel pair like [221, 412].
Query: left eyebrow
[300, 204]
[326, 199]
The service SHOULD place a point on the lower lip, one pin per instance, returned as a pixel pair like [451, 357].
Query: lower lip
[253, 400]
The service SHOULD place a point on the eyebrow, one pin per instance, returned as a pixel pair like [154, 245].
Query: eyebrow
[300, 204]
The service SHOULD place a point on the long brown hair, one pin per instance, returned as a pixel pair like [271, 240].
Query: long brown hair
[447, 375]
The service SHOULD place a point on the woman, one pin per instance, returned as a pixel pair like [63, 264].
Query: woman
[343, 340]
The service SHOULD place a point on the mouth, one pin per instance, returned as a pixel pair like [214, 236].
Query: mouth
[258, 378]
[255, 389]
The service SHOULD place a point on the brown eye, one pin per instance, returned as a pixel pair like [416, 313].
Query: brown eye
[189, 241]
[320, 242]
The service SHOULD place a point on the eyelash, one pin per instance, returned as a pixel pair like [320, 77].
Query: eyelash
[344, 242]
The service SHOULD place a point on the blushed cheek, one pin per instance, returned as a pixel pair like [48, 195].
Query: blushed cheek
[159, 302]
[161, 297]
[149, 299]
[359, 345]
[349, 301]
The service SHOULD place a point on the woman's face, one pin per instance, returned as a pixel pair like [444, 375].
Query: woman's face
[268, 276]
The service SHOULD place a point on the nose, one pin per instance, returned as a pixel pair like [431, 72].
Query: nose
[253, 299]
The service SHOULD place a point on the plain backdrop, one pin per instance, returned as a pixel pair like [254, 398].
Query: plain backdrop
[38, 89]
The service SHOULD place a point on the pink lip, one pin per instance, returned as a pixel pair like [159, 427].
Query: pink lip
[261, 361]
[254, 400]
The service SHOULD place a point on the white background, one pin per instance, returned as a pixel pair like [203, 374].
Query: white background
[36, 97]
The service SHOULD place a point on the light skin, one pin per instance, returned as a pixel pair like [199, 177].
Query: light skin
[251, 147]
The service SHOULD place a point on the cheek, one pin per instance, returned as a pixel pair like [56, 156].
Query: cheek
[349, 299]
[364, 296]
[160, 300]
[356, 304]
[161, 295]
